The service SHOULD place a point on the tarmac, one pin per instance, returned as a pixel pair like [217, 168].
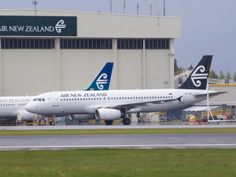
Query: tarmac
[140, 141]
[143, 141]
[121, 126]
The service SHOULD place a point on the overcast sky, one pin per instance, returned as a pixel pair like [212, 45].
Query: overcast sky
[207, 26]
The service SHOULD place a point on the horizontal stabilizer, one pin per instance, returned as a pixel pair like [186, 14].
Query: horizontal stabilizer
[211, 94]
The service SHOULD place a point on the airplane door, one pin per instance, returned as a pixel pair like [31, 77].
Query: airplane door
[55, 102]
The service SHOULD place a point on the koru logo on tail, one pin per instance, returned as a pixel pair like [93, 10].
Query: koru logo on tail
[198, 75]
[101, 81]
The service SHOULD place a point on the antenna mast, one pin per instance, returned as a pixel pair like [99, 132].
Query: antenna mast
[124, 6]
[150, 7]
[35, 3]
[110, 6]
[164, 7]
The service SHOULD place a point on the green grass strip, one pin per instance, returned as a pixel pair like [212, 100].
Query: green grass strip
[119, 163]
[120, 131]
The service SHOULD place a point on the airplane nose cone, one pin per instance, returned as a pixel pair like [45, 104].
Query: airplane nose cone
[30, 108]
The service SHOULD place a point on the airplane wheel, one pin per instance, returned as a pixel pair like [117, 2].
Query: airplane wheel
[126, 121]
[108, 122]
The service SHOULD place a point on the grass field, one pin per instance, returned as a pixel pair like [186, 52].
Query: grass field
[119, 163]
[119, 131]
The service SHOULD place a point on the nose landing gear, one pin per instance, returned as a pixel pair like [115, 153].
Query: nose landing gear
[108, 122]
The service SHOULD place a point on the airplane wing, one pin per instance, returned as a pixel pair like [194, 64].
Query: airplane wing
[199, 108]
[210, 94]
[146, 103]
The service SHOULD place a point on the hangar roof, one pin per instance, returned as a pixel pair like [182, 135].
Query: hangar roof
[113, 25]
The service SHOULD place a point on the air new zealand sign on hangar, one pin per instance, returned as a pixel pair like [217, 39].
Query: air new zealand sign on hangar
[38, 26]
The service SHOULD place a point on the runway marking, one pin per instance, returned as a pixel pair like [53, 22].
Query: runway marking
[137, 146]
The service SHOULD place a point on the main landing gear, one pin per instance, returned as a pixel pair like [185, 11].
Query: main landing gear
[126, 121]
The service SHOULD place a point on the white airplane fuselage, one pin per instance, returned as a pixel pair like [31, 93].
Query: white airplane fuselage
[134, 101]
[11, 107]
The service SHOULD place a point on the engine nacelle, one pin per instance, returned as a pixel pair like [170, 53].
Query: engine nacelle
[107, 114]
[25, 116]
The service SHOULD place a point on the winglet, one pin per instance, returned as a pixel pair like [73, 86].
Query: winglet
[102, 80]
[199, 76]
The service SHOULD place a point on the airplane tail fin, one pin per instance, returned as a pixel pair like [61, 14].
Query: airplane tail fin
[102, 80]
[199, 76]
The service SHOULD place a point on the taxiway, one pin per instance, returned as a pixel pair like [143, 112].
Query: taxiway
[144, 141]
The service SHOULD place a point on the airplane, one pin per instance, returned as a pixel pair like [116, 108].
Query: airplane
[13, 107]
[114, 104]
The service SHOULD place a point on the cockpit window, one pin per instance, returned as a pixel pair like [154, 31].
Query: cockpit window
[39, 99]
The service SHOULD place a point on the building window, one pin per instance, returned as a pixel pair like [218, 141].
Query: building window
[30, 43]
[129, 43]
[86, 43]
[157, 43]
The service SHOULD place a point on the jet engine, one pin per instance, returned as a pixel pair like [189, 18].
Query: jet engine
[107, 114]
[25, 116]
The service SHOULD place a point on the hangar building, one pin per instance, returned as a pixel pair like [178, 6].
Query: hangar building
[55, 50]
